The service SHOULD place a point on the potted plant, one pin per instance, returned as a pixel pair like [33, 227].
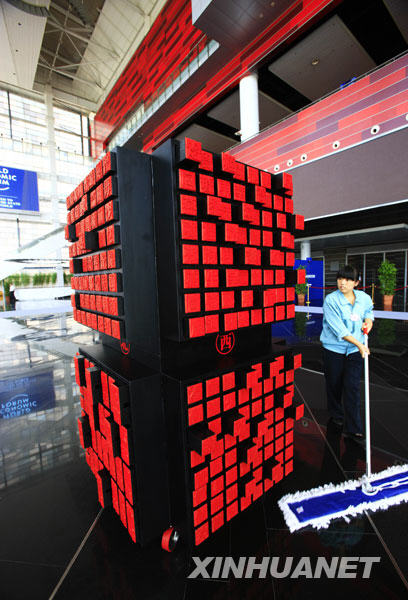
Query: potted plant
[301, 289]
[387, 275]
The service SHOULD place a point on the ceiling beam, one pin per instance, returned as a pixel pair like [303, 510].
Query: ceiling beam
[68, 64]
[69, 75]
[84, 39]
[62, 11]
[276, 89]
[217, 127]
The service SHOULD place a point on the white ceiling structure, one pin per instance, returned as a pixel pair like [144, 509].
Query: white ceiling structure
[21, 36]
[79, 49]
[339, 56]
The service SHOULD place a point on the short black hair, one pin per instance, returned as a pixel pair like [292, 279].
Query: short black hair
[348, 272]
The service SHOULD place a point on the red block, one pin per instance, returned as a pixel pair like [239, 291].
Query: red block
[239, 192]
[212, 324]
[192, 303]
[194, 393]
[211, 278]
[189, 230]
[190, 255]
[301, 276]
[267, 219]
[212, 301]
[226, 256]
[208, 232]
[281, 220]
[256, 277]
[210, 255]
[247, 298]
[201, 534]
[196, 327]
[267, 238]
[187, 180]
[230, 321]
[299, 222]
[236, 278]
[130, 514]
[227, 300]
[278, 203]
[188, 205]
[266, 179]
[191, 278]
[206, 184]
[252, 175]
[195, 414]
[243, 319]
[223, 188]
[256, 317]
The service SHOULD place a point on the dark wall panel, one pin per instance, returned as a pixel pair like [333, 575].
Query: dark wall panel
[367, 175]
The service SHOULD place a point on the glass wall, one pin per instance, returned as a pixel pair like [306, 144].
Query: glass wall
[24, 145]
[368, 264]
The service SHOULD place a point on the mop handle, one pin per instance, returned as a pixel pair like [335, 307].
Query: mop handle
[367, 406]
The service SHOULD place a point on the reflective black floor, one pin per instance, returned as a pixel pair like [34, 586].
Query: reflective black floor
[56, 543]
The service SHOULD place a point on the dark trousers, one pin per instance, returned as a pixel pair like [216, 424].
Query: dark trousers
[343, 373]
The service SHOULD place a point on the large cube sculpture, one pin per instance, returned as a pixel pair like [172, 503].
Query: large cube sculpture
[182, 260]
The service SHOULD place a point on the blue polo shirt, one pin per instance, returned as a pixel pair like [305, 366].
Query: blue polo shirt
[341, 318]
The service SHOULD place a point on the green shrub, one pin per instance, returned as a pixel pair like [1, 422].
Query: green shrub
[15, 279]
[54, 278]
[387, 275]
[48, 278]
[6, 284]
[25, 279]
[67, 278]
[301, 288]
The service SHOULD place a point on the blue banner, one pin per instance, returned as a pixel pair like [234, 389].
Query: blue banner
[314, 276]
[18, 189]
[26, 394]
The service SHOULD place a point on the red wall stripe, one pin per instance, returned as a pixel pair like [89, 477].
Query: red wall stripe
[158, 54]
[380, 98]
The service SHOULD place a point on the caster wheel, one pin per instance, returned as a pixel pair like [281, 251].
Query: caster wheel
[169, 539]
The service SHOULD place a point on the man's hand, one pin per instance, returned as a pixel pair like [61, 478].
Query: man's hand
[368, 324]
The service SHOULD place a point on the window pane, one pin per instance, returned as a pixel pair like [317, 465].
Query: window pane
[3, 102]
[357, 261]
[29, 132]
[398, 258]
[373, 261]
[24, 108]
[68, 142]
[66, 120]
[4, 126]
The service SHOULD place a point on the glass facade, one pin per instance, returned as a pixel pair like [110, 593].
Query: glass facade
[368, 264]
[24, 145]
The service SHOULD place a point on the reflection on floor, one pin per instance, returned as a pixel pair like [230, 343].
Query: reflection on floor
[48, 503]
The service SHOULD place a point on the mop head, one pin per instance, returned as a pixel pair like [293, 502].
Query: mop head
[318, 507]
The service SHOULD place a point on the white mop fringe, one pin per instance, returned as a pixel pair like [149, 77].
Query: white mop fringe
[324, 521]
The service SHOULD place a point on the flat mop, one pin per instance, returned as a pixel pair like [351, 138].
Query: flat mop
[319, 506]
